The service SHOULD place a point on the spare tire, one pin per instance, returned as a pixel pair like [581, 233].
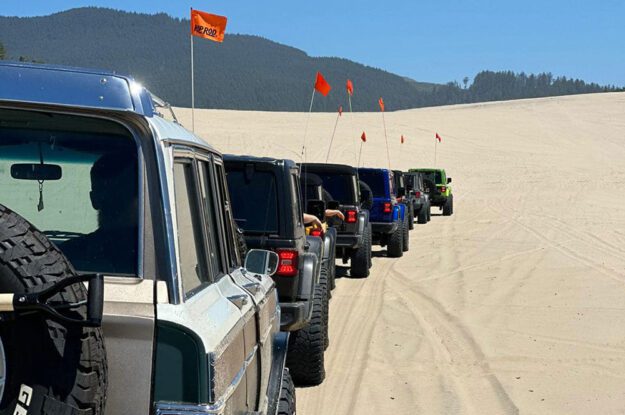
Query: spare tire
[48, 367]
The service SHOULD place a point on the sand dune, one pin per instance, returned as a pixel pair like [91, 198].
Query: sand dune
[516, 304]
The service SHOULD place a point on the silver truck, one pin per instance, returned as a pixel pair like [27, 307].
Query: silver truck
[100, 183]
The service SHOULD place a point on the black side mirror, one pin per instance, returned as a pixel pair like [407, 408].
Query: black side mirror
[317, 208]
[333, 204]
[449, 180]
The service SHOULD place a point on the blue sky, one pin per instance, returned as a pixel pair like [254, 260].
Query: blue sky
[434, 41]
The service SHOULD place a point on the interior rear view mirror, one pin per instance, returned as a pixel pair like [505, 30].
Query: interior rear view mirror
[317, 208]
[260, 261]
[36, 171]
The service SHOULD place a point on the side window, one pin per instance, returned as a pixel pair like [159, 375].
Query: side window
[295, 191]
[193, 270]
[208, 193]
[228, 225]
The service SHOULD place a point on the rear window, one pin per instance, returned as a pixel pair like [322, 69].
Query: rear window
[434, 176]
[340, 187]
[254, 200]
[375, 180]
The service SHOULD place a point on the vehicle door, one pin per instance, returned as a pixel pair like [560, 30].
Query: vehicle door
[213, 306]
[259, 331]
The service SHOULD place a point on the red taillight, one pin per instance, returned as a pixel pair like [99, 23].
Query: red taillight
[417, 194]
[317, 232]
[351, 216]
[443, 189]
[287, 266]
[387, 208]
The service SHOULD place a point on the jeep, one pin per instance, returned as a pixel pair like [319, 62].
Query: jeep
[440, 190]
[389, 222]
[342, 192]
[267, 206]
[416, 187]
[96, 184]
[404, 196]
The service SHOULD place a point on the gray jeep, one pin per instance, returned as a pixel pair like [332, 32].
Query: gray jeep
[97, 185]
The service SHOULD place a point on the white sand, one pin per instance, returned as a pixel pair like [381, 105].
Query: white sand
[516, 304]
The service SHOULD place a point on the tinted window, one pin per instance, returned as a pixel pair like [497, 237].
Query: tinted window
[434, 176]
[190, 237]
[340, 187]
[208, 193]
[375, 180]
[91, 211]
[254, 200]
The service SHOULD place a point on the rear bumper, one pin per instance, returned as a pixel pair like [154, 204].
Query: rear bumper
[438, 200]
[383, 227]
[294, 316]
[348, 240]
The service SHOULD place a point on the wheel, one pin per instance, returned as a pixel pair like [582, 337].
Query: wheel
[332, 265]
[323, 282]
[395, 247]
[360, 257]
[448, 207]
[286, 404]
[51, 366]
[411, 218]
[369, 245]
[406, 241]
[429, 210]
[423, 214]
[305, 357]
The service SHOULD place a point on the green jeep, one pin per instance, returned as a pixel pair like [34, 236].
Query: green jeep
[438, 188]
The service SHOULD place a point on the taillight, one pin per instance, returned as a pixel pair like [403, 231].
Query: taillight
[387, 208]
[417, 194]
[443, 189]
[287, 265]
[317, 232]
[351, 216]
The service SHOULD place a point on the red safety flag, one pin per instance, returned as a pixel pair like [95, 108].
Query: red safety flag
[350, 87]
[438, 137]
[402, 139]
[321, 85]
[363, 137]
[340, 110]
[381, 102]
[208, 26]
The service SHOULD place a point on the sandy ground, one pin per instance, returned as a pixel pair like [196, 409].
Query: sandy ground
[516, 304]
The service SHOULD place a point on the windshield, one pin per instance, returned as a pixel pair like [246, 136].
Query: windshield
[375, 180]
[88, 207]
[254, 200]
[340, 187]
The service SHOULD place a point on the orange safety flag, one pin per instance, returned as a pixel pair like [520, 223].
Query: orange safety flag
[350, 87]
[381, 102]
[340, 110]
[321, 85]
[438, 137]
[363, 137]
[402, 139]
[208, 26]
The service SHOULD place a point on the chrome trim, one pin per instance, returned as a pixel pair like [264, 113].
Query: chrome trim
[174, 408]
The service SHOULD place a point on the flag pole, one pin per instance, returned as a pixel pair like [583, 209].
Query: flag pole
[435, 147]
[333, 133]
[312, 99]
[388, 155]
[360, 153]
[192, 84]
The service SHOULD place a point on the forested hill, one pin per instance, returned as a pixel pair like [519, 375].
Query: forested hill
[245, 72]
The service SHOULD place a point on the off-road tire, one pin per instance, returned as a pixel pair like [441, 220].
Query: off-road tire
[287, 403]
[360, 258]
[323, 282]
[429, 210]
[65, 365]
[406, 242]
[423, 214]
[411, 218]
[305, 357]
[448, 207]
[332, 266]
[370, 246]
[395, 248]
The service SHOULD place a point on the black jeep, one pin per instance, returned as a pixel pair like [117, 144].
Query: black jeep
[342, 192]
[403, 196]
[417, 187]
[267, 206]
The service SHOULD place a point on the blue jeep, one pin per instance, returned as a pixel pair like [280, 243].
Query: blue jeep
[388, 217]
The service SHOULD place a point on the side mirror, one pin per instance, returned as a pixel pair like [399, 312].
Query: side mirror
[259, 261]
[449, 180]
[317, 208]
[333, 204]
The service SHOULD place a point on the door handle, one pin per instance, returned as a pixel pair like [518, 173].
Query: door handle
[239, 300]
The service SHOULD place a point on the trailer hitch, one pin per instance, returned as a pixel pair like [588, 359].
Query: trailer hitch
[28, 303]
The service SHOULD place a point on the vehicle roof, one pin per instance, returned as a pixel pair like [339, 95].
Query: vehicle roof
[374, 169]
[236, 158]
[332, 168]
[425, 169]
